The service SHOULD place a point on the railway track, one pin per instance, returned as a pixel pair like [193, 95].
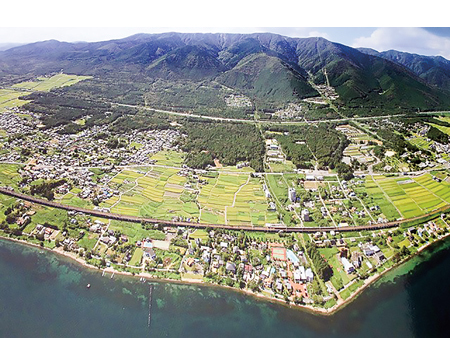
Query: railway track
[274, 228]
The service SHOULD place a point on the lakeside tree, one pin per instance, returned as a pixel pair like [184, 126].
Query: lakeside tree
[322, 268]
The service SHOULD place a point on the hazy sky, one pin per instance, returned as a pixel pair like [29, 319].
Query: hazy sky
[97, 20]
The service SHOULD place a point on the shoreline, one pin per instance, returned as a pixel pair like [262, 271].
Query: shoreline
[311, 309]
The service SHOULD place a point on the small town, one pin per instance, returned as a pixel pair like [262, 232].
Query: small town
[232, 226]
[320, 270]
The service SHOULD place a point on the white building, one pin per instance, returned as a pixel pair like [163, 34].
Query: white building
[348, 267]
[305, 215]
[292, 194]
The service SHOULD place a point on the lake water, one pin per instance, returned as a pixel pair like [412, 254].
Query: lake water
[45, 295]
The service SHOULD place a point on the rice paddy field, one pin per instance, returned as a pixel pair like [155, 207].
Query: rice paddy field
[45, 84]
[169, 158]
[420, 142]
[444, 129]
[9, 175]
[9, 98]
[410, 196]
[226, 198]
[234, 199]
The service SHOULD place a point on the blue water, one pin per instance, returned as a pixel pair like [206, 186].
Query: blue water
[44, 295]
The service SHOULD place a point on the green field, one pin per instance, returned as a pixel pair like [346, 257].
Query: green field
[411, 196]
[226, 198]
[277, 167]
[445, 130]
[420, 142]
[169, 158]
[380, 199]
[9, 175]
[9, 98]
[234, 199]
[157, 194]
[45, 84]
[134, 231]
[136, 258]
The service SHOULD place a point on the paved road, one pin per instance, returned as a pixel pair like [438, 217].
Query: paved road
[251, 121]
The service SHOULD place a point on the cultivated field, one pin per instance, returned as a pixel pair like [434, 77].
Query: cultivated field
[411, 196]
[162, 193]
[9, 98]
[45, 84]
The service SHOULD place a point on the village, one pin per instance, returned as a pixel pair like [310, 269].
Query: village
[102, 171]
[29, 140]
[283, 266]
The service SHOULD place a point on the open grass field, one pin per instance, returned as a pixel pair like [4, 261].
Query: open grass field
[74, 200]
[276, 167]
[236, 170]
[277, 186]
[5, 202]
[88, 241]
[51, 215]
[200, 233]
[137, 256]
[135, 232]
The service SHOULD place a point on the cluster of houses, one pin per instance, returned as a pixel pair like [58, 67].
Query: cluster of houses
[273, 151]
[353, 260]
[238, 101]
[86, 148]
[292, 111]
[417, 130]
[44, 231]
[430, 228]
[276, 268]
[15, 126]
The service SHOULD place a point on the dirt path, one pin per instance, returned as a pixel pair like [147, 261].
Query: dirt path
[234, 198]
[133, 187]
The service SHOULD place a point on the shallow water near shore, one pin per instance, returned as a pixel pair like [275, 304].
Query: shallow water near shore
[44, 295]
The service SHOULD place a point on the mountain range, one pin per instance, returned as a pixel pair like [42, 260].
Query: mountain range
[269, 68]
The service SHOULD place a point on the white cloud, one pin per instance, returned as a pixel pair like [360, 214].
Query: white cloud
[411, 40]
